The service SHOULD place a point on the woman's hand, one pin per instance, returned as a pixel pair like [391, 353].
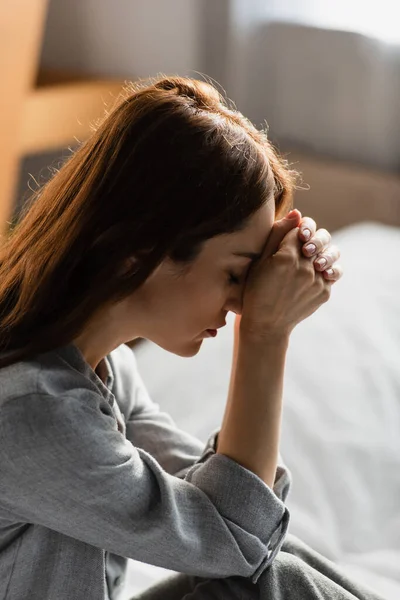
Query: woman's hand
[287, 284]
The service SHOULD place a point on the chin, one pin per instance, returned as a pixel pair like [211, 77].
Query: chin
[186, 350]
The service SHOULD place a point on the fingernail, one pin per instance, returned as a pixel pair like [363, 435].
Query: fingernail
[310, 248]
[307, 233]
[321, 262]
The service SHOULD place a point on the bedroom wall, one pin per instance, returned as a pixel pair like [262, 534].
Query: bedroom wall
[124, 37]
[329, 91]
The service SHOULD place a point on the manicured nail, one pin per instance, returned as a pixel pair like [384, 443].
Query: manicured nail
[310, 248]
[321, 262]
[307, 234]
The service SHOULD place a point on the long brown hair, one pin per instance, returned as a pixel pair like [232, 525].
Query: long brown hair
[171, 165]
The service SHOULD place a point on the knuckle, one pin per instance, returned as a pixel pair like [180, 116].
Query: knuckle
[338, 271]
[326, 292]
[313, 224]
[324, 237]
[308, 223]
[307, 270]
[325, 233]
[333, 252]
[287, 257]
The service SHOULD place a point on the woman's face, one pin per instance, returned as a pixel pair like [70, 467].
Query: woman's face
[175, 307]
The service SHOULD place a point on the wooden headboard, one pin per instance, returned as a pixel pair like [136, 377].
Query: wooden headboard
[341, 194]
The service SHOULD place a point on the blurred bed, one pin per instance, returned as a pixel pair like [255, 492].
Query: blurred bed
[341, 418]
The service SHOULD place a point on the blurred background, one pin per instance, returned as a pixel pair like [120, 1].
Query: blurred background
[325, 78]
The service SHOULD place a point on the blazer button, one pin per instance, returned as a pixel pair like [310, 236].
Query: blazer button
[118, 580]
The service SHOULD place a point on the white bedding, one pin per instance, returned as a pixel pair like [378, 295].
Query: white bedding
[341, 417]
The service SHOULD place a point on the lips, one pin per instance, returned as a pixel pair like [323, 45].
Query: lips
[212, 332]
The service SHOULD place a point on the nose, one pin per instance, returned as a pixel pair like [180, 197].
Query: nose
[235, 304]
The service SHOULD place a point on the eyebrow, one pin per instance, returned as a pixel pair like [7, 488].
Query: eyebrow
[252, 255]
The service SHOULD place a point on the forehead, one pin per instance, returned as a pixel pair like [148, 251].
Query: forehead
[251, 238]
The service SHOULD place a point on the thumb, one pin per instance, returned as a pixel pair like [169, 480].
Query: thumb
[279, 231]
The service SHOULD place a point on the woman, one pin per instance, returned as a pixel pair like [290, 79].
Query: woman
[169, 216]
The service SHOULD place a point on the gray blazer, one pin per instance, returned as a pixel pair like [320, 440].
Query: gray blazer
[93, 473]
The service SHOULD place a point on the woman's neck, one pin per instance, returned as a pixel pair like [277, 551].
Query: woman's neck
[101, 371]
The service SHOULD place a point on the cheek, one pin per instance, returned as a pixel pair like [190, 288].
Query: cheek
[209, 299]
[188, 307]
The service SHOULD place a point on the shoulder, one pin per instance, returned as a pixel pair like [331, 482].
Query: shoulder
[62, 373]
[48, 375]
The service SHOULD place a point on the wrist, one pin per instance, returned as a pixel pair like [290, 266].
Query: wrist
[262, 336]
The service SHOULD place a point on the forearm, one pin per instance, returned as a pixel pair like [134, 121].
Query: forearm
[250, 431]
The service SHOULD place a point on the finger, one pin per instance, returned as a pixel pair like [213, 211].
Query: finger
[326, 259]
[279, 229]
[317, 243]
[307, 225]
[333, 274]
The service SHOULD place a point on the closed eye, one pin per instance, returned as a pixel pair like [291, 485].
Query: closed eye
[233, 279]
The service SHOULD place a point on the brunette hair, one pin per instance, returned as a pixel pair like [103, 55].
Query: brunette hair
[171, 165]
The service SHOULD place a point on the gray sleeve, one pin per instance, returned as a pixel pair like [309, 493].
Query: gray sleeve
[156, 432]
[66, 466]
[283, 476]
